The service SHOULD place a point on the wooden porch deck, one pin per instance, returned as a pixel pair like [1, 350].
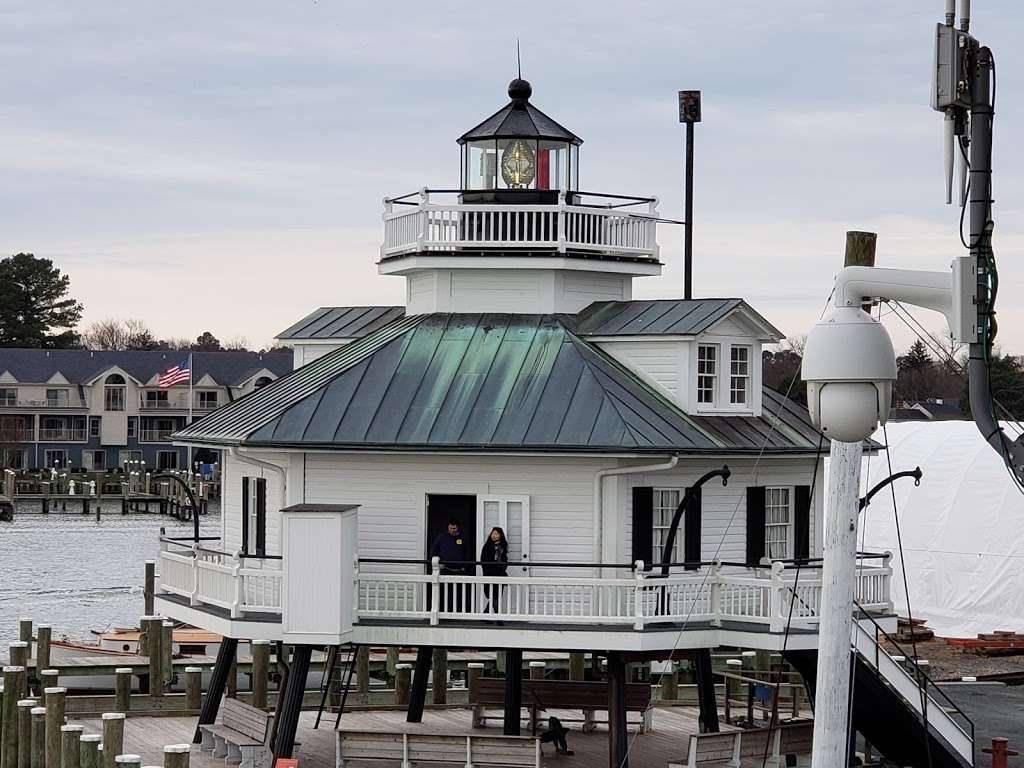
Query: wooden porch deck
[146, 736]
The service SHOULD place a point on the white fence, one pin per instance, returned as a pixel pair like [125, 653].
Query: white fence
[432, 227]
[213, 578]
[641, 600]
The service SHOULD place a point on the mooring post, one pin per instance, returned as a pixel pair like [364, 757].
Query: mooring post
[25, 632]
[44, 634]
[113, 737]
[260, 650]
[24, 734]
[123, 689]
[670, 683]
[149, 587]
[38, 759]
[153, 626]
[128, 761]
[69, 754]
[176, 755]
[390, 662]
[474, 671]
[167, 653]
[46, 497]
[48, 678]
[403, 676]
[194, 688]
[88, 750]
[55, 705]
[537, 670]
[18, 656]
[439, 662]
[576, 665]
[14, 684]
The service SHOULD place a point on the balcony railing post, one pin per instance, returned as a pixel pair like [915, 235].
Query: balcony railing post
[194, 597]
[715, 600]
[424, 222]
[776, 619]
[561, 222]
[355, 589]
[886, 576]
[435, 591]
[638, 595]
[236, 603]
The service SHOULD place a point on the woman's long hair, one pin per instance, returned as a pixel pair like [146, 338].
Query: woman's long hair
[501, 532]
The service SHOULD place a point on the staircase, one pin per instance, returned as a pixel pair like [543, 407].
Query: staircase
[888, 705]
[336, 682]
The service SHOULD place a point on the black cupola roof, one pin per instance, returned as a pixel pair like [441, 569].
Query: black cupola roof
[520, 119]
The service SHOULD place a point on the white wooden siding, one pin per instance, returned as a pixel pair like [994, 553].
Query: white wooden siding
[657, 361]
[231, 504]
[724, 509]
[577, 290]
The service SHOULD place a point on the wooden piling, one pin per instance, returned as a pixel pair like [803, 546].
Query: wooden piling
[403, 677]
[260, 650]
[55, 705]
[25, 632]
[18, 655]
[24, 734]
[176, 755]
[670, 683]
[439, 666]
[14, 685]
[88, 750]
[123, 689]
[38, 759]
[363, 673]
[113, 737]
[232, 692]
[576, 666]
[128, 761]
[194, 688]
[48, 679]
[149, 587]
[391, 662]
[69, 754]
[474, 671]
[153, 627]
[537, 670]
[44, 634]
[167, 653]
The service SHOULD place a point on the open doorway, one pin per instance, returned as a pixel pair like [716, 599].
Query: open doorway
[442, 507]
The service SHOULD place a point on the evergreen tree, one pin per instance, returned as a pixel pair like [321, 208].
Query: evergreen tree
[35, 308]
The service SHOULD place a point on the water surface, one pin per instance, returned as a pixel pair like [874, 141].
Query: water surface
[77, 574]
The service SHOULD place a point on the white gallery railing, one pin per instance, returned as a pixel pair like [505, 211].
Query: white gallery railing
[428, 226]
[766, 597]
[230, 582]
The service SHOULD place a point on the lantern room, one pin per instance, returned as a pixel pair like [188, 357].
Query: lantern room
[518, 154]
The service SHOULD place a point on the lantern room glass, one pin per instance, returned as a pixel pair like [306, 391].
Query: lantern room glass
[480, 164]
[540, 164]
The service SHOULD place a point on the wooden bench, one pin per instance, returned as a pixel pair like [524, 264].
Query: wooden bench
[732, 748]
[445, 748]
[241, 737]
[590, 696]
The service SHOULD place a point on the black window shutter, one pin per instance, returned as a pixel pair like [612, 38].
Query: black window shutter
[755, 524]
[245, 515]
[643, 524]
[691, 530]
[261, 516]
[802, 522]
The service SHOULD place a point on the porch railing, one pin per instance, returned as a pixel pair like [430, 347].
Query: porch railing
[61, 435]
[432, 226]
[210, 577]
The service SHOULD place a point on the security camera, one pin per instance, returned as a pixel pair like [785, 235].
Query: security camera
[849, 366]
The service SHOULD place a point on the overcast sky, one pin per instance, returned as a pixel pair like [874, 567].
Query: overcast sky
[220, 166]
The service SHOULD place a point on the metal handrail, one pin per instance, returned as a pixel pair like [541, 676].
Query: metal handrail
[920, 674]
[634, 200]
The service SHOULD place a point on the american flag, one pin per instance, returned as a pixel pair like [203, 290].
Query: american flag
[176, 374]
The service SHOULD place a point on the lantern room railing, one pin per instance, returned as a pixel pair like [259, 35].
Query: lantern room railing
[421, 223]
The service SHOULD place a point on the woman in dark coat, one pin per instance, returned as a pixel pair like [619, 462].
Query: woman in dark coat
[494, 562]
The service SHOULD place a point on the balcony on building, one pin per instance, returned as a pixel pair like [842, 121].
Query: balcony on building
[519, 194]
[320, 586]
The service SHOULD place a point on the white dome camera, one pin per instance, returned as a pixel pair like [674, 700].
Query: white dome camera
[849, 366]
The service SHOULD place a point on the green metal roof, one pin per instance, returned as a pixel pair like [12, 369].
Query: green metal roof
[487, 382]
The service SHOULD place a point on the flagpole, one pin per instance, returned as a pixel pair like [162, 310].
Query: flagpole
[191, 397]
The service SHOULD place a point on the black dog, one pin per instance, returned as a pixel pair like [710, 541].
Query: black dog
[555, 734]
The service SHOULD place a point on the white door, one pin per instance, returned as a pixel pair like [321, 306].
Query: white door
[511, 514]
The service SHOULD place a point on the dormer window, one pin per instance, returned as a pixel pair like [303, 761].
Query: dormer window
[739, 375]
[707, 374]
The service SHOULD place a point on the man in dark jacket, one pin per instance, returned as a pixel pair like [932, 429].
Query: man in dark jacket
[453, 550]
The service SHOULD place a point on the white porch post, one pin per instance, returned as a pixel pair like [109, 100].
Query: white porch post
[435, 591]
[831, 738]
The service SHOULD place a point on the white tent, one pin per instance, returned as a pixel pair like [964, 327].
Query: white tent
[963, 528]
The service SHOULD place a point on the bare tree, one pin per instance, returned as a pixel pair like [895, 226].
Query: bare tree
[237, 344]
[119, 335]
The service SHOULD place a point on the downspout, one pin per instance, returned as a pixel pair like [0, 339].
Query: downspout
[598, 494]
[281, 471]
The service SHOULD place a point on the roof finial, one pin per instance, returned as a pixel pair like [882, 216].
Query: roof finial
[519, 62]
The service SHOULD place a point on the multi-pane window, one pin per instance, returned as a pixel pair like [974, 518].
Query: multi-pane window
[778, 518]
[114, 393]
[94, 426]
[57, 398]
[8, 396]
[665, 502]
[208, 399]
[707, 373]
[133, 426]
[166, 459]
[156, 398]
[739, 375]
[55, 458]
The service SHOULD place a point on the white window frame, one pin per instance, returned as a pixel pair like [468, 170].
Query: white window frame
[662, 521]
[202, 394]
[176, 459]
[63, 462]
[502, 503]
[786, 526]
[745, 378]
[715, 377]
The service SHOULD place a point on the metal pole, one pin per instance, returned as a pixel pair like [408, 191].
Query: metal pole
[688, 218]
[835, 627]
